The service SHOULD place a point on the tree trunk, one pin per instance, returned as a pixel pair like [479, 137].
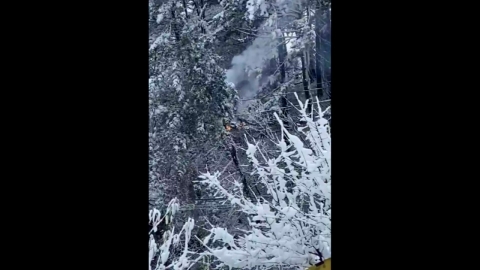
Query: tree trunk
[202, 15]
[328, 37]
[246, 188]
[311, 65]
[196, 7]
[174, 24]
[305, 83]
[185, 8]
[318, 49]
[282, 56]
[310, 55]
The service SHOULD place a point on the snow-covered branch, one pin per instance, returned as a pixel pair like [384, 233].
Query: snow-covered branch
[162, 253]
[291, 226]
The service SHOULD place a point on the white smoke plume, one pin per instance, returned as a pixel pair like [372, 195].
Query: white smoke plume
[246, 69]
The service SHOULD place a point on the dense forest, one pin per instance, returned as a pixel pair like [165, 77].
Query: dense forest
[239, 134]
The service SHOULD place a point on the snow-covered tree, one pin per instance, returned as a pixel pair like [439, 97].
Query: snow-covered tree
[162, 255]
[189, 99]
[291, 226]
[192, 43]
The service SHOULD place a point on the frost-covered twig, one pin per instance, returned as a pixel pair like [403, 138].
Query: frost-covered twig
[165, 259]
[294, 223]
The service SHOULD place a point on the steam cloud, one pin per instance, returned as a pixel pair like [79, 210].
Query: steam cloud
[247, 67]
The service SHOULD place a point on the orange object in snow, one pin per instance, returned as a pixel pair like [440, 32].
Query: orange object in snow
[327, 265]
